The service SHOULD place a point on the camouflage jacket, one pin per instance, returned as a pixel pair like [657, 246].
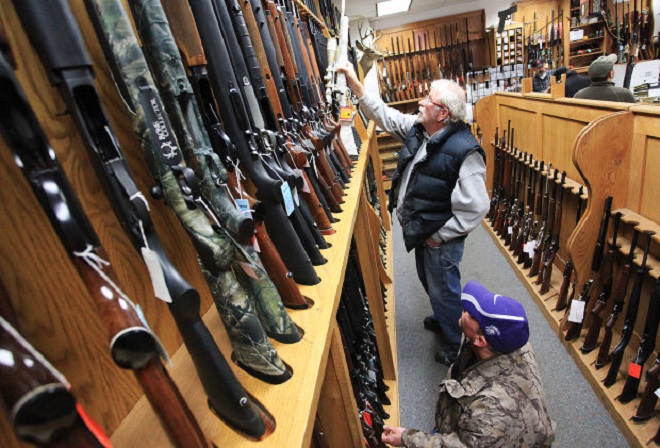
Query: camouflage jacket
[497, 402]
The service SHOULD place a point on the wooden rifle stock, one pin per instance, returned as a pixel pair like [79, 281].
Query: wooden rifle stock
[619, 295]
[270, 257]
[562, 297]
[591, 339]
[38, 399]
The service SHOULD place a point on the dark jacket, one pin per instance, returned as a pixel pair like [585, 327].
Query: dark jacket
[427, 205]
[575, 83]
[605, 91]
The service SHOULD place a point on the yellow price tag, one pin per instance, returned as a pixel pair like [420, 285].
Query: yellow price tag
[345, 113]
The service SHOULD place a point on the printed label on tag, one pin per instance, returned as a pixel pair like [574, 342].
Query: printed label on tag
[244, 206]
[345, 113]
[152, 260]
[577, 311]
[248, 270]
[288, 198]
[510, 230]
[305, 187]
[255, 244]
[635, 370]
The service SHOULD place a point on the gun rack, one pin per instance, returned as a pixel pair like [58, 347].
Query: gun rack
[60, 320]
[611, 150]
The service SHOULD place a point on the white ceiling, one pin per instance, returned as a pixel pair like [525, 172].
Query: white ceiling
[419, 10]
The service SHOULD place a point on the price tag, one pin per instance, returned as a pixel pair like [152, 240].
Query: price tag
[577, 311]
[288, 198]
[529, 248]
[510, 230]
[244, 206]
[152, 260]
[657, 392]
[634, 370]
[345, 113]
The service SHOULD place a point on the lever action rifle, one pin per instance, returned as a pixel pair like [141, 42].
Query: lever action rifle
[574, 328]
[619, 295]
[226, 396]
[591, 339]
[554, 243]
[132, 344]
[631, 316]
[38, 400]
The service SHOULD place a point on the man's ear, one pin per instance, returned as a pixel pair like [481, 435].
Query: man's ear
[480, 341]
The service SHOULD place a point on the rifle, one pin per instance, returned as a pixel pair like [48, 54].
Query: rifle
[591, 339]
[619, 295]
[234, 115]
[549, 230]
[139, 94]
[536, 259]
[38, 400]
[132, 344]
[646, 408]
[554, 244]
[631, 316]
[575, 327]
[646, 346]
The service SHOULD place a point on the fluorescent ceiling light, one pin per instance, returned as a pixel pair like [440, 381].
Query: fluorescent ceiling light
[392, 7]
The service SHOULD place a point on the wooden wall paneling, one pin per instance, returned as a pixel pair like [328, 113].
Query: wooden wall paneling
[558, 137]
[645, 166]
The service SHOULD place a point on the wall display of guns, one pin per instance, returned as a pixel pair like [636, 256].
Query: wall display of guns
[358, 338]
[630, 27]
[429, 50]
[527, 209]
[229, 158]
[543, 38]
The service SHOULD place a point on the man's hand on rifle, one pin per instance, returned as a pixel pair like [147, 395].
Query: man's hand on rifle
[392, 435]
[351, 79]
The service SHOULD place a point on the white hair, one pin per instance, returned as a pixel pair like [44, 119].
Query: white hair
[452, 96]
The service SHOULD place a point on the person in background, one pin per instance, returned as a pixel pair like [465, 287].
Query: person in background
[541, 78]
[493, 395]
[574, 81]
[438, 191]
[601, 71]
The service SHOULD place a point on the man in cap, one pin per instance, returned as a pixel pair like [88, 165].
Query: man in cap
[541, 78]
[601, 71]
[492, 395]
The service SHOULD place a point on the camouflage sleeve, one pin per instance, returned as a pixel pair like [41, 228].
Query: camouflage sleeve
[483, 424]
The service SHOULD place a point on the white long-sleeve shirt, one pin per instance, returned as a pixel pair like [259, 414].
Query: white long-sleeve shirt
[469, 199]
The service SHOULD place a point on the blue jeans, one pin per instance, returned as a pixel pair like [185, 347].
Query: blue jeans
[437, 268]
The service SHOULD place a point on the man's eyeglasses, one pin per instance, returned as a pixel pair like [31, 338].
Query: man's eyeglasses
[428, 100]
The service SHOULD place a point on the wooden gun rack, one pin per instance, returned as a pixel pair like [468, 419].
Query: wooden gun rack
[613, 148]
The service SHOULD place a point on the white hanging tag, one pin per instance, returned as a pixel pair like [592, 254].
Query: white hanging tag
[244, 206]
[152, 260]
[577, 311]
[288, 198]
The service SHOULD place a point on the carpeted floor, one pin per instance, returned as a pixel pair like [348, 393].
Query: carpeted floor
[582, 420]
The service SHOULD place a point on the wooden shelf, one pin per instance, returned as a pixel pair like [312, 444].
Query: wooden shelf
[586, 25]
[582, 41]
[593, 53]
